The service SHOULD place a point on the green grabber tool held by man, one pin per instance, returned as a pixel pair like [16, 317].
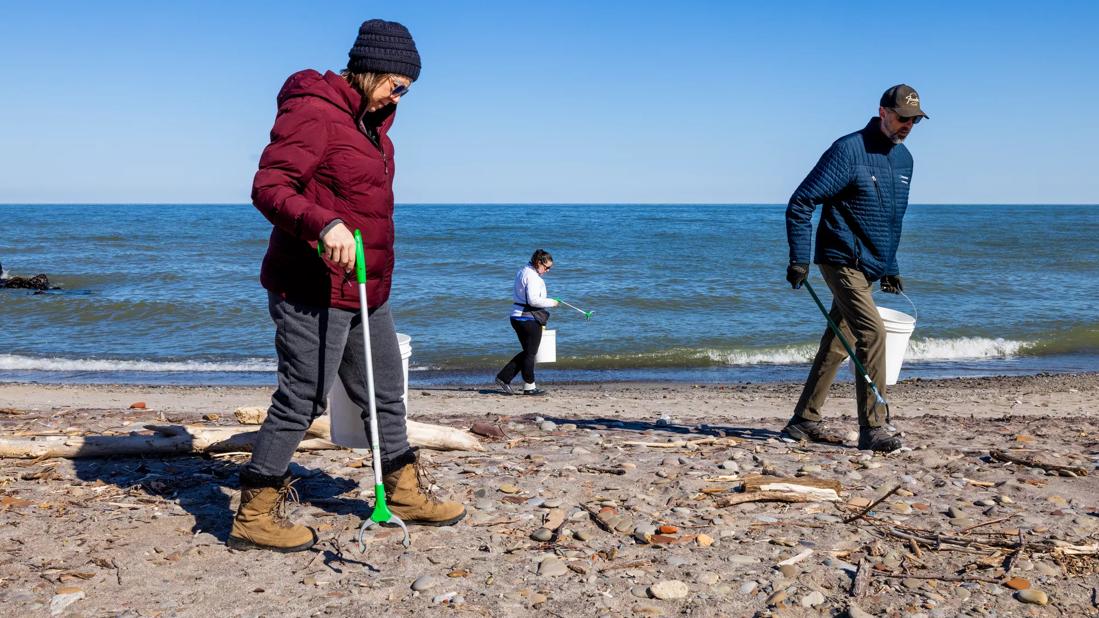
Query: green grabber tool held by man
[862, 180]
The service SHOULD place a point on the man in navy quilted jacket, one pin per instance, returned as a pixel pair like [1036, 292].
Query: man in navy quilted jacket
[862, 180]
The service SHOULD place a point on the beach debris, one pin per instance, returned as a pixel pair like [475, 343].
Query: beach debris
[822, 489]
[488, 430]
[423, 435]
[1031, 462]
[138, 405]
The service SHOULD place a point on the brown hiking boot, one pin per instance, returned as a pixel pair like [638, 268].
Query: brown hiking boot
[878, 439]
[261, 521]
[407, 492]
[810, 431]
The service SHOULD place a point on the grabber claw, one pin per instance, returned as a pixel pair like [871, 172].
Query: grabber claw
[393, 520]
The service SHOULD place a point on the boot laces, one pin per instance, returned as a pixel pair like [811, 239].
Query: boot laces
[287, 494]
[426, 482]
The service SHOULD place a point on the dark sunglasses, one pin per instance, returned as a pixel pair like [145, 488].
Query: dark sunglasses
[399, 89]
[905, 119]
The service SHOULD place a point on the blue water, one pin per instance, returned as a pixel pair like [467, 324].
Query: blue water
[170, 294]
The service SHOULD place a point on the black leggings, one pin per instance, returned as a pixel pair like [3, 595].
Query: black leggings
[530, 337]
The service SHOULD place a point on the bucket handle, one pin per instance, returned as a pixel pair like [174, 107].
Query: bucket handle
[915, 311]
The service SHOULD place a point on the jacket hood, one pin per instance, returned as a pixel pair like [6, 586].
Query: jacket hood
[333, 88]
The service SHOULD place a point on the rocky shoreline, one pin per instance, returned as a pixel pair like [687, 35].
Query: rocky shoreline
[609, 499]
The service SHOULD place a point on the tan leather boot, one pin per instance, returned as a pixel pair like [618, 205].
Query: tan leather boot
[261, 521]
[406, 492]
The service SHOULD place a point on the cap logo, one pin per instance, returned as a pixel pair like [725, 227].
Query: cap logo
[912, 99]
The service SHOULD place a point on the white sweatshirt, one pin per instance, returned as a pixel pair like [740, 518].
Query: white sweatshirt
[530, 289]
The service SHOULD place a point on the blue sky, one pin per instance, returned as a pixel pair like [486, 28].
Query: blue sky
[714, 102]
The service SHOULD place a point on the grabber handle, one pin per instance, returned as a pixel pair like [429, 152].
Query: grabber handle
[360, 258]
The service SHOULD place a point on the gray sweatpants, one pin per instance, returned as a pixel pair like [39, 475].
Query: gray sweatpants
[314, 344]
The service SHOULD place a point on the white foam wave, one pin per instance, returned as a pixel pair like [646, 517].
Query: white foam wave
[790, 355]
[10, 362]
[961, 348]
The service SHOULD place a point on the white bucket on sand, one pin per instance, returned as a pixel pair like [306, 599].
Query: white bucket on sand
[547, 350]
[348, 427]
[898, 328]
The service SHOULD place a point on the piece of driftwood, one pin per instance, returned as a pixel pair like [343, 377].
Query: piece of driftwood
[764, 496]
[862, 578]
[165, 440]
[424, 435]
[871, 506]
[1034, 463]
[824, 489]
[680, 443]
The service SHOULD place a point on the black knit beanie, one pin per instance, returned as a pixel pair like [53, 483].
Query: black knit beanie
[384, 47]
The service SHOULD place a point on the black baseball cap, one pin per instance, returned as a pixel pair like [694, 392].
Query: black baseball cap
[904, 100]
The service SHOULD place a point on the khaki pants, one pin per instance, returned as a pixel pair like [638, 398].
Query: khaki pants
[853, 310]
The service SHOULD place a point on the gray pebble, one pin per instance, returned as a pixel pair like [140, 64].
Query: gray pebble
[425, 582]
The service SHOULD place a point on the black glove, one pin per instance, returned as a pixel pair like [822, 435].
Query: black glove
[796, 274]
[892, 284]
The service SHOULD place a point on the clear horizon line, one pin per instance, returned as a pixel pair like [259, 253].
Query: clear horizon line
[1089, 204]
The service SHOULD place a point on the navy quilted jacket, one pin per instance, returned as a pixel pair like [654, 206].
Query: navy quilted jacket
[862, 180]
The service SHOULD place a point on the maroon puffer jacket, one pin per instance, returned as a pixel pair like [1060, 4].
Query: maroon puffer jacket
[321, 166]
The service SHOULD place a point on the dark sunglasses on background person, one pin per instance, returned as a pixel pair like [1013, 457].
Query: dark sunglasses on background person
[905, 119]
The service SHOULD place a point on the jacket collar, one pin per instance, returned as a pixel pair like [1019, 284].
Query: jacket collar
[875, 140]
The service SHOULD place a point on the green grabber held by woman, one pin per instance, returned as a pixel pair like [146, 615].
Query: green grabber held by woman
[328, 170]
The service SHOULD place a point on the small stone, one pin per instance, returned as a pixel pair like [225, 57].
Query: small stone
[1032, 595]
[704, 540]
[547, 426]
[581, 535]
[669, 589]
[542, 535]
[789, 570]
[810, 469]
[444, 598]
[425, 582]
[812, 599]
[730, 465]
[641, 592]
[1057, 501]
[854, 611]
[902, 507]
[63, 599]
[851, 436]
[508, 488]
[985, 502]
[1017, 583]
[552, 567]
[748, 587]
[955, 513]
[137, 405]
[859, 502]
[776, 598]
[708, 578]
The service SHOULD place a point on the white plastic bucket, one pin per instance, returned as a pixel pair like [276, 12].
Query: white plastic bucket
[898, 328]
[348, 427]
[547, 350]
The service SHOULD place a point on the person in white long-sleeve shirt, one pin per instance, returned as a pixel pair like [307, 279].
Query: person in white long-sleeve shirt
[528, 316]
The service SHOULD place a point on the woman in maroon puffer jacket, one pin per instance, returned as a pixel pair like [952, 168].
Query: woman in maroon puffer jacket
[329, 170]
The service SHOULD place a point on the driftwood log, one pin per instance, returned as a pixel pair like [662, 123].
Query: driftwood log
[182, 439]
[1007, 457]
[423, 435]
[165, 440]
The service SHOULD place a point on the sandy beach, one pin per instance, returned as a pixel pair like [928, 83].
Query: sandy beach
[145, 536]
